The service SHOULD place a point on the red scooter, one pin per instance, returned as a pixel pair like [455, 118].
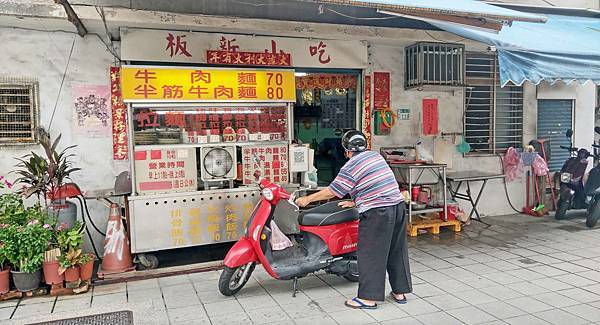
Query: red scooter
[327, 241]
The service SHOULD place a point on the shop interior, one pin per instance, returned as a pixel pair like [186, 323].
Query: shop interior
[326, 107]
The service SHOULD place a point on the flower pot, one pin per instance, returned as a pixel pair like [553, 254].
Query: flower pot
[51, 275]
[25, 281]
[86, 270]
[4, 281]
[72, 274]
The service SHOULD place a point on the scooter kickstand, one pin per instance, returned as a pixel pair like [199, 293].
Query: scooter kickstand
[295, 289]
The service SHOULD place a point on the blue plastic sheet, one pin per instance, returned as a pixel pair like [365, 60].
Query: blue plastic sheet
[564, 48]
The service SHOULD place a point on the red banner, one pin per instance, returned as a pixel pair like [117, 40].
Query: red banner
[119, 116]
[249, 58]
[430, 116]
[367, 110]
[326, 81]
[381, 90]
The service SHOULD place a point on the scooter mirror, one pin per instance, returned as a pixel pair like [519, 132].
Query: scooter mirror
[569, 133]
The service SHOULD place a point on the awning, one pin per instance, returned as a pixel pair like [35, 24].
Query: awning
[463, 12]
[564, 48]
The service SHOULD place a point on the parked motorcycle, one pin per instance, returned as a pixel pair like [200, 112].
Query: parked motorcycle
[574, 194]
[327, 241]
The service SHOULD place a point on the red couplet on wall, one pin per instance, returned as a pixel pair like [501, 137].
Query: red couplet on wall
[430, 116]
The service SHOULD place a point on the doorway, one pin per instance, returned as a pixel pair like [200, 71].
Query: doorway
[326, 107]
[555, 117]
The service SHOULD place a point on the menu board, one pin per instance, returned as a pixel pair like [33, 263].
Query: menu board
[273, 160]
[165, 171]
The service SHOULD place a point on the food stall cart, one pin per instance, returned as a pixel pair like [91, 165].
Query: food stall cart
[192, 134]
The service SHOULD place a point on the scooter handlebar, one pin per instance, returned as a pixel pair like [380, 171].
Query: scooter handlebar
[569, 148]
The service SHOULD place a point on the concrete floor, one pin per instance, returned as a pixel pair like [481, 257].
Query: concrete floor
[521, 270]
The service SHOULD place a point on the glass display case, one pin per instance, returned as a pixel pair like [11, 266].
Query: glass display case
[196, 148]
[201, 125]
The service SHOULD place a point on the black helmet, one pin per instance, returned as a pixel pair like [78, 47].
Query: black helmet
[354, 141]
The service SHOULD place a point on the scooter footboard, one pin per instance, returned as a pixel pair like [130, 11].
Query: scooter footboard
[241, 253]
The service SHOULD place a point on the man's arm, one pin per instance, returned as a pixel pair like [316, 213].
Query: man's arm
[324, 194]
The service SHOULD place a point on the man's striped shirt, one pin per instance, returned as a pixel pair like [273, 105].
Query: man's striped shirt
[369, 180]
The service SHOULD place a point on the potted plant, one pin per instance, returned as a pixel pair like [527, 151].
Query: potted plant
[69, 238]
[51, 267]
[69, 265]
[24, 247]
[44, 177]
[4, 269]
[86, 267]
[8, 204]
[12, 209]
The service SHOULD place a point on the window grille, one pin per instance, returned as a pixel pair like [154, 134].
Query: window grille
[434, 64]
[494, 115]
[19, 110]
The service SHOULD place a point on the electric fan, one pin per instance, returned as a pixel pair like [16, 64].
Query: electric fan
[218, 163]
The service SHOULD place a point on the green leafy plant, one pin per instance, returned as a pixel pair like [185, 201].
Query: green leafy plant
[12, 209]
[44, 175]
[71, 258]
[85, 258]
[4, 236]
[24, 246]
[69, 239]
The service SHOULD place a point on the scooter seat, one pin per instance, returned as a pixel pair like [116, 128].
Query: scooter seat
[327, 214]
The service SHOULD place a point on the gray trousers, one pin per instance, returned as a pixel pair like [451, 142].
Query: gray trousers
[382, 246]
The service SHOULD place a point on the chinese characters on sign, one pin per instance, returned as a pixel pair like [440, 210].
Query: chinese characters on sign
[176, 45]
[367, 110]
[430, 116]
[381, 90]
[319, 51]
[165, 171]
[228, 54]
[145, 83]
[192, 225]
[326, 81]
[274, 161]
[235, 49]
[119, 113]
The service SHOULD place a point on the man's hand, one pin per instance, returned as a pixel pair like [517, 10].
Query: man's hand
[303, 201]
[347, 204]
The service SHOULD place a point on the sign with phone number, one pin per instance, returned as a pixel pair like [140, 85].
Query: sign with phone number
[206, 84]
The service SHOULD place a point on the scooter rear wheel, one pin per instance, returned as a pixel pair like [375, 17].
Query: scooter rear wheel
[593, 215]
[351, 277]
[230, 281]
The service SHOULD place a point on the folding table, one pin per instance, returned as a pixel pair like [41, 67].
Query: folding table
[469, 177]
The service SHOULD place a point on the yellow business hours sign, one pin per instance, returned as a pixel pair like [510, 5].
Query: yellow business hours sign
[172, 84]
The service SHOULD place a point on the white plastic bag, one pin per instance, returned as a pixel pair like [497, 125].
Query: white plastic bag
[279, 240]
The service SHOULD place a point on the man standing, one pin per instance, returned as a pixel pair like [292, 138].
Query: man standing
[382, 243]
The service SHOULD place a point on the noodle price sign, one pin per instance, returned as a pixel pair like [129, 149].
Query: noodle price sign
[141, 84]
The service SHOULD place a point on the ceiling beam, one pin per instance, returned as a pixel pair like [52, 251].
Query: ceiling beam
[72, 17]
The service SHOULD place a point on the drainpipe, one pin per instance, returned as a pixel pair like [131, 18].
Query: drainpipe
[72, 17]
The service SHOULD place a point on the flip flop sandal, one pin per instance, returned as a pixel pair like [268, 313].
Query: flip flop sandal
[361, 305]
[400, 301]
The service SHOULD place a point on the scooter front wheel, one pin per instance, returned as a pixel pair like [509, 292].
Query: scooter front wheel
[561, 209]
[233, 280]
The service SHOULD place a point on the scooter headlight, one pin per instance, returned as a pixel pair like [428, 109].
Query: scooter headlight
[267, 194]
[566, 177]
